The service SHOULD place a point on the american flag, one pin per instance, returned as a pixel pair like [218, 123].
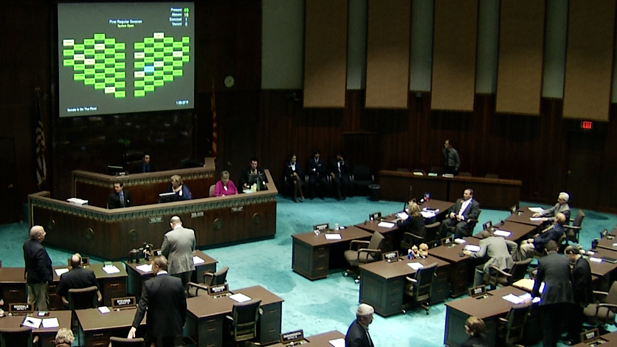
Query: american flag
[41, 166]
[214, 126]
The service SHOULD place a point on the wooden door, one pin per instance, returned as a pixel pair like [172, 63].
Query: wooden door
[584, 167]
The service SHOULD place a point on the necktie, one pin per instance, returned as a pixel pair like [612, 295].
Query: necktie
[122, 199]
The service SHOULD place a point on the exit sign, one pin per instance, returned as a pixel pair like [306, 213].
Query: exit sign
[586, 125]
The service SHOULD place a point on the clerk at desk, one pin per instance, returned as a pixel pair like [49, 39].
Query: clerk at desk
[120, 197]
[251, 174]
[182, 191]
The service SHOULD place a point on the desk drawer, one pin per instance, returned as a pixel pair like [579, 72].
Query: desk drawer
[96, 339]
[113, 289]
[14, 293]
[270, 324]
[55, 301]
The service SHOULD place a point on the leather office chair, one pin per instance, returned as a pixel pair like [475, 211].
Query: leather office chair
[83, 298]
[21, 336]
[420, 286]
[436, 170]
[211, 191]
[362, 252]
[497, 277]
[210, 279]
[409, 240]
[471, 225]
[132, 160]
[603, 311]
[361, 177]
[243, 322]
[512, 327]
[431, 234]
[573, 230]
[124, 342]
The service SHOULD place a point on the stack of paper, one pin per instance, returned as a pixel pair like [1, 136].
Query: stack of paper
[415, 266]
[59, 272]
[144, 268]
[333, 236]
[50, 323]
[427, 214]
[111, 269]
[197, 260]
[240, 297]
[338, 342]
[502, 233]
[536, 209]
[386, 225]
[459, 241]
[32, 322]
[472, 248]
[513, 299]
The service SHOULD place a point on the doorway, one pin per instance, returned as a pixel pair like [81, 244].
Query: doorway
[584, 168]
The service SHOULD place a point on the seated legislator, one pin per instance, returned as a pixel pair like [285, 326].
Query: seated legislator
[293, 174]
[475, 327]
[225, 186]
[317, 175]
[499, 252]
[146, 165]
[251, 174]
[182, 191]
[415, 222]
[539, 241]
[341, 176]
[560, 207]
[120, 197]
[77, 278]
[459, 214]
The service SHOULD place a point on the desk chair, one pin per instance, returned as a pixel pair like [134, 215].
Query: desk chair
[497, 277]
[361, 177]
[573, 230]
[242, 325]
[132, 160]
[603, 311]
[511, 328]
[79, 299]
[420, 286]
[124, 342]
[210, 279]
[430, 234]
[409, 240]
[358, 256]
[211, 191]
[22, 336]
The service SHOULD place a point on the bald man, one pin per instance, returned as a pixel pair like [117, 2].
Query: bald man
[178, 246]
[38, 269]
[77, 278]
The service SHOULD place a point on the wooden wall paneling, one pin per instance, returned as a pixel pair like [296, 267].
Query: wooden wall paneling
[589, 60]
[454, 55]
[606, 200]
[325, 53]
[387, 53]
[521, 43]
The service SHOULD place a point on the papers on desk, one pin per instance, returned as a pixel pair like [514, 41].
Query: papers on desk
[459, 241]
[50, 323]
[338, 342]
[111, 269]
[472, 248]
[104, 309]
[432, 174]
[402, 215]
[31, 322]
[144, 267]
[427, 214]
[527, 297]
[240, 297]
[415, 266]
[527, 284]
[513, 299]
[59, 272]
[333, 236]
[595, 260]
[197, 260]
[502, 233]
[386, 225]
[535, 209]
[536, 219]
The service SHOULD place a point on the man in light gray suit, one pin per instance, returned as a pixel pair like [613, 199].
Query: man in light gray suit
[497, 249]
[178, 246]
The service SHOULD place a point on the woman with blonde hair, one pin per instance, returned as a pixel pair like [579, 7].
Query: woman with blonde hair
[182, 191]
[64, 338]
[415, 222]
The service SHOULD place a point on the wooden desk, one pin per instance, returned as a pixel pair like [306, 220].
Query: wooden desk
[491, 192]
[462, 267]
[95, 328]
[206, 315]
[319, 340]
[112, 234]
[14, 289]
[488, 309]
[522, 216]
[608, 243]
[518, 231]
[46, 335]
[392, 236]
[136, 277]
[311, 253]
[611, 341]
[382, 284]
[144, 187]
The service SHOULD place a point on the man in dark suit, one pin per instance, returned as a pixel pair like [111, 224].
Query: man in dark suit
[583, 292]
[499, 252]
[120, 197]
[253, 168]
[459, 215]
[77, 278]
[341, 176]
[178, 246]
[317, 175]
[557, 297]
[539, 241]
[163, 297]
[38, 269]
[145, 165]
[357, 334]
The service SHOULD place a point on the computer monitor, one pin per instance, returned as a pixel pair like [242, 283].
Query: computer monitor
[167, 197]
[115, 170]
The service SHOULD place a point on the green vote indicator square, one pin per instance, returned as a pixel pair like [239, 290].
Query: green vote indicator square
[68, 53]
[110, 61]
[120, 46]
[118, 66]
[120, 75]
[79, 77]
[79, 67]
[120, 85]
[168, 39]
[99, 36]
[139, 93]
[168, 78]
[140, 84]
[88, 42]
[139, 45]
[68, 62]
[149, 88]
[120, 94]
[159, 83]
[99, 86]
[177, 73]
[110, 80]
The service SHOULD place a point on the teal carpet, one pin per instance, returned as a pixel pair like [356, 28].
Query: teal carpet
[322, 305]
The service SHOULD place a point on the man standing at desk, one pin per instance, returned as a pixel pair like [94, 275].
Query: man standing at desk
[77, 278]
[120, 197]
[459, 215]
[357, 334]
[163, 297]
[38, 269]
[554, 271]
[451, 161]
[499, 252]
[178, 246]
[583, 292]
